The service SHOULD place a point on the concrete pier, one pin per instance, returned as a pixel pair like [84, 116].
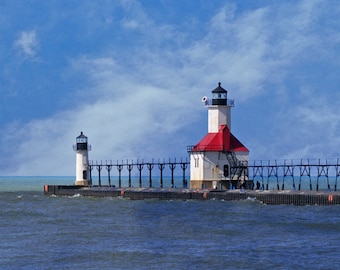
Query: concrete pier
[266, 196]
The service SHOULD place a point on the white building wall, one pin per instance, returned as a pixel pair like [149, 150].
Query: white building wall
[214, 165]
[196, 166]
[217, 116]
[82, 164]
[207, 165]
[242, 156]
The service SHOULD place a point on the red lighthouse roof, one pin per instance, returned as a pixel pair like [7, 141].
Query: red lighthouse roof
[223, 141]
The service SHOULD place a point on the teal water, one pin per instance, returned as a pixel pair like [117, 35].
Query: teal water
[47, 232]
[32, 183]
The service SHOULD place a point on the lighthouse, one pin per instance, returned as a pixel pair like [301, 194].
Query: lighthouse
[219, 160]
[82, 161]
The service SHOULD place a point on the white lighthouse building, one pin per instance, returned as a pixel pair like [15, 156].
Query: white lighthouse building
[82, 149]
[219, 159]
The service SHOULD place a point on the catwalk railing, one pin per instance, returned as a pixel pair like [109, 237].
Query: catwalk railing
[156, 171]
[303, 174]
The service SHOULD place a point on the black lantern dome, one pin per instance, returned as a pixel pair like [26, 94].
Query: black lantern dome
[219, 95]
[81, 142]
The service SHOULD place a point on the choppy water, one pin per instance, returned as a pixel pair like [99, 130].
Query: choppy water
[46, 232]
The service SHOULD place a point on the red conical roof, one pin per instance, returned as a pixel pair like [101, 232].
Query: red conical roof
[222, 141]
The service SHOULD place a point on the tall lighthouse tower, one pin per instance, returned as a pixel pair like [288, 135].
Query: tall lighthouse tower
[82, 161]
[219, 159]
[219, 109]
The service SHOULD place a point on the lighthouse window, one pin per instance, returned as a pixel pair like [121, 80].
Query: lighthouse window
[81, 146]
[219, 96]
[196, 162]
[81, 140]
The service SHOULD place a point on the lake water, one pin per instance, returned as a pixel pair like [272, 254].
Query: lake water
[47, 232]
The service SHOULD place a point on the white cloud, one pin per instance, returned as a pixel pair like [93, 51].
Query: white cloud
[315, 125]
[127, 120]
[135, 17]
[27, 43]
[146, 105]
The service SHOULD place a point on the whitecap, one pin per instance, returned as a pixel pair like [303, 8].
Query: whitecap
[76, 195]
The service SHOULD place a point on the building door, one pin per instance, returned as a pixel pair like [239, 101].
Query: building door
[226, 170]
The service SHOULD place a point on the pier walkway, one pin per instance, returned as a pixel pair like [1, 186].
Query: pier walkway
[264, 196]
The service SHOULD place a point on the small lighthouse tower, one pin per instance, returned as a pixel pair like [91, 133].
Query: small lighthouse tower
[82, 161]
[219, 159]
[219, 109]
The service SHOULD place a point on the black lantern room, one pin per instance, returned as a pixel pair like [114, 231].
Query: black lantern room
[219, 95]
[81, 142]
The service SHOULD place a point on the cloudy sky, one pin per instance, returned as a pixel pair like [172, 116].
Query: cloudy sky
[131, 75]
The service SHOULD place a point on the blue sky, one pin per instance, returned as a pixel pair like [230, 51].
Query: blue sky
[131, 75]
